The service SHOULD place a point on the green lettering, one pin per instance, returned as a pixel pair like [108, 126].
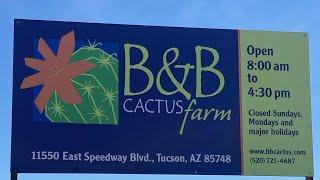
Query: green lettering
[139, 66]
[209, 68]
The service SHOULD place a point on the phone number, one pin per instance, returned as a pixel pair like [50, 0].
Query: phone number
[260, 160]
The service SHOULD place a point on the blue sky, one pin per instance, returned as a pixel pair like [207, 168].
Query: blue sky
[285, 15]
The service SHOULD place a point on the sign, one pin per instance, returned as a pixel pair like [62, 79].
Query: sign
[105, 98]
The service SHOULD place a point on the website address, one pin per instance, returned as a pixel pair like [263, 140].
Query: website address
[270, 151]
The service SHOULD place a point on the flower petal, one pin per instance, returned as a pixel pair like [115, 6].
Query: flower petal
[77, 68]
[46, 52]
[36, 64]
[32, 81]
[43, 97]
[68, 93]
[66, 48]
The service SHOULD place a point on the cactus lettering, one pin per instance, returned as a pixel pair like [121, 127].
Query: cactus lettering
[168, 66]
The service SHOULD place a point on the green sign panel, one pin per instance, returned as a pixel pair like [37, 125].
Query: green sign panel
[275, 104]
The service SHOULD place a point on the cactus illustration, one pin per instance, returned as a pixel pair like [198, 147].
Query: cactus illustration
[97, 87]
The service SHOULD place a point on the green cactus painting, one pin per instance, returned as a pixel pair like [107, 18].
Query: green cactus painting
[77, 86]
[97, 87]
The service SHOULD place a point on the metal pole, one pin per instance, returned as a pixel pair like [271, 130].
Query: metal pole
[309, 178]
[14, 176]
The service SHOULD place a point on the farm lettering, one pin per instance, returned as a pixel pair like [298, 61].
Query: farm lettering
[168, 67]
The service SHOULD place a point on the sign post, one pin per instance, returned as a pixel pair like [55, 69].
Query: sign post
[14, 176]
[127, 99]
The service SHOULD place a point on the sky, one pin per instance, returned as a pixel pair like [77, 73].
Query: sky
[274, 15]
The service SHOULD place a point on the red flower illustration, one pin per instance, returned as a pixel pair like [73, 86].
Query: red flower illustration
[55, 72]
